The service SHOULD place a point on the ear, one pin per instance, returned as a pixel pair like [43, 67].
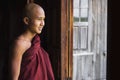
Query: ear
[26, 20]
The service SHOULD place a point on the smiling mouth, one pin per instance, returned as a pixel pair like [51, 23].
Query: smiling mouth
[40, 29]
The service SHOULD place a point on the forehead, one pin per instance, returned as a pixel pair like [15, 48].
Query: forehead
[37, 12]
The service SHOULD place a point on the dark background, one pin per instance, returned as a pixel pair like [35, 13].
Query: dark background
[11, 26]
[113, 56]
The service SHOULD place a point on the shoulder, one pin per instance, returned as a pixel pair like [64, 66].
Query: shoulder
[22, 44]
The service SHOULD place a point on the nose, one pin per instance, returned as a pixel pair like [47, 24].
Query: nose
[42, 23]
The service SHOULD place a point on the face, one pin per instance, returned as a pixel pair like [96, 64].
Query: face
[36, 21]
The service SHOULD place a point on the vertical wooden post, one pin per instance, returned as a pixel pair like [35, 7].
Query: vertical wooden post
[66, 39]
[70, 34]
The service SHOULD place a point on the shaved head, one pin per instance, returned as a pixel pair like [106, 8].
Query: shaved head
[33, 18]
[31, 9]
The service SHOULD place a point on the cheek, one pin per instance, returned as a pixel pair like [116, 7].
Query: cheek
[34, 24]
[37, 23]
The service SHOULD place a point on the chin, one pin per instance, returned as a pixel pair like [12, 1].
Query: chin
[39, 32]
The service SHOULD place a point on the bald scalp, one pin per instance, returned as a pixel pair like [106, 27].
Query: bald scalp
[30, 9]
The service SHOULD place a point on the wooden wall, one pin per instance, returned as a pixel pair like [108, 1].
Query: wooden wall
[91, 64]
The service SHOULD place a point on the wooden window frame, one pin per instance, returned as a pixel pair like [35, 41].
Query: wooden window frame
[66, 39]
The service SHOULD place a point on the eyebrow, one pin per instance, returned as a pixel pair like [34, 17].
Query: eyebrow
[40, 17]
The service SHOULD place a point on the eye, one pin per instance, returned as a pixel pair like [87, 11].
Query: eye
[41, 18]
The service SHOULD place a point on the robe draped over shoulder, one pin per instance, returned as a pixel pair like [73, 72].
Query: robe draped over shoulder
[35, 63]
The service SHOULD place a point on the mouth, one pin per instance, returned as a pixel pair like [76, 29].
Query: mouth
[40, 29]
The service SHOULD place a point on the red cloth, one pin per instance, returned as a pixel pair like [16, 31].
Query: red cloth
[35, 63]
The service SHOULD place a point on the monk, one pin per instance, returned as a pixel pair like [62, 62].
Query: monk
[28, 60]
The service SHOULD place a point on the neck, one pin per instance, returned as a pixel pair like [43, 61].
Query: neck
[28, 36]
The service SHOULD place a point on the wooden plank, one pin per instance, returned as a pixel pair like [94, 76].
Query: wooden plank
[70, 34]
[83, 67]
[83, 32]
[64, 39]
[77, 53]
[75, 38]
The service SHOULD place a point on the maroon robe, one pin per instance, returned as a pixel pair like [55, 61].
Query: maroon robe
[35, 63]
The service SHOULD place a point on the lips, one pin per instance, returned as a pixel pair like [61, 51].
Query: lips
[40, 29]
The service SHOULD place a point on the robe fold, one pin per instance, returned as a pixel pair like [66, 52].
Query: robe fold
[35, 63]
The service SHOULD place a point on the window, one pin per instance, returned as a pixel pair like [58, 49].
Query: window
[89, 39]
[81, 25]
